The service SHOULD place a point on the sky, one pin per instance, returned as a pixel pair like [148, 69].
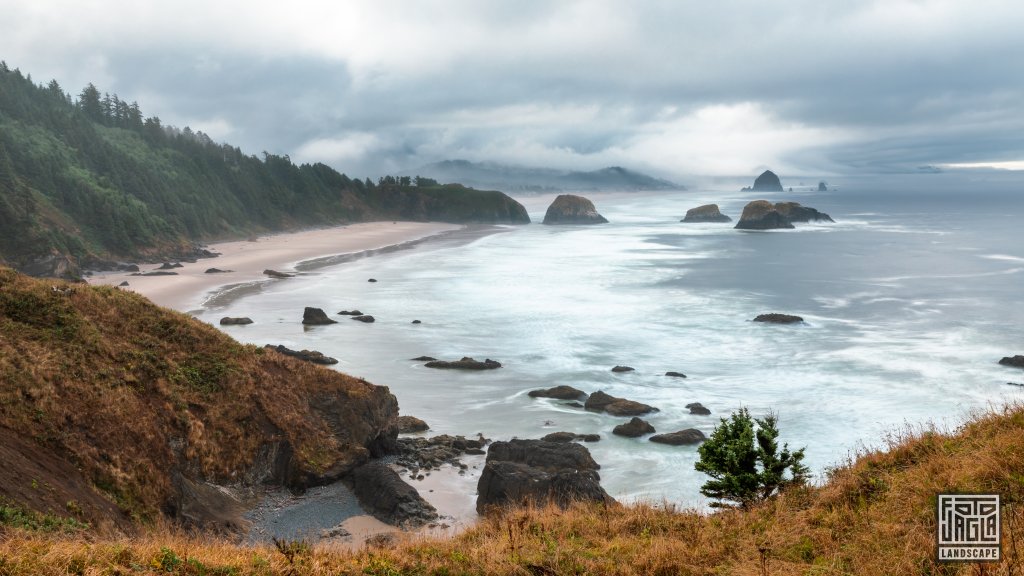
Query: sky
[674, 88]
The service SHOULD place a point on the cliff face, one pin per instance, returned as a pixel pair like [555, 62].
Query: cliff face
[572, 209]
[123, 410]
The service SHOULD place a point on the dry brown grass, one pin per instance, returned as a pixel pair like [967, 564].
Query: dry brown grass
[873, 516]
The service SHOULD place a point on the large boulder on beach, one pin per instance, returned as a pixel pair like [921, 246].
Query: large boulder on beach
[776, 318]
[602, 402]
[384, 494]
[523, 471]
[572, 209]
[1013, 361]
[316, 317]
[634, 428]
[796, 212]
[767, 182]
[705, 213]
[466, 363]
[680, 438]
[562, 392]
[762, 215]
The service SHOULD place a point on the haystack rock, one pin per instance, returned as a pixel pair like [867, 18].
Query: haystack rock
[762, 215]
[822, 186]
[767, 182]
[571, 209]
[705, 213]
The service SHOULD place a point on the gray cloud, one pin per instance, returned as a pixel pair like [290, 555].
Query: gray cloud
[675, 88]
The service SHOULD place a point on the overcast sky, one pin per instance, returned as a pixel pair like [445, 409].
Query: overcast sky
[674, 88]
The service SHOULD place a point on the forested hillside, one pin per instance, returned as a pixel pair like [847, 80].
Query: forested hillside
[86, 179]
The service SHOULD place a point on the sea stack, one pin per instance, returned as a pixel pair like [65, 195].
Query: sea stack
[572, 209]
[767, 182]
[705, 213]
[762, 215]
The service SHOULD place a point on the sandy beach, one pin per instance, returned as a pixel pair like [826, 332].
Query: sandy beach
[189, 288]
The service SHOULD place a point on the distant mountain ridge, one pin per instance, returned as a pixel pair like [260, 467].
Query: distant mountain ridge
[507, 177]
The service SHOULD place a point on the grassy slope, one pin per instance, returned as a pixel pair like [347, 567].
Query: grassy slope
[103, 396]
[873, 516]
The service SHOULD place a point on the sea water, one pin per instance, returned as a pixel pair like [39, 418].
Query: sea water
[910, 298]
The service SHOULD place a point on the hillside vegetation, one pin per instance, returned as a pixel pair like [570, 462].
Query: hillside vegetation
[105, 399]
[113, 411]
[88, 179]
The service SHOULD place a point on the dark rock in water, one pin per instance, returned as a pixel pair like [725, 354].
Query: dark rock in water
[822, 187]
[634, 428]
[775, 318]
[589, 437]
[128, 267]
[229, 321]
[424, 359]
[417, 322]
[623, 369]
[350, 313]
[675, 374]
[217, 271]
[680, 438]
[1014, 361]
[795, 212]
[698, 409]
[417, 453]
[521, 471]
[156, 273]
[365, 318]
[705, 213]
[466, 363]
[559, 392]
[571, 209]
[571, 437]
[169, 266]
[276, 274]
[411, 424]
[372, 280]
[308, 355]
[1015, 384]
[384, 494]
[572, 404]
[762, 215]
[125, 283]
[315, 317]
[767, 182]
[601, 402]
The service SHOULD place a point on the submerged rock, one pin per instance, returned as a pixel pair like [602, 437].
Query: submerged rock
[601, 402]
[775, 318]
[316, 317]
[572, 209]
[571, 437]
[675, 374]
[350, 313]
[236, 321]
[522, 471]
[424, 359]
[680, 438]
[466, 363]
[1013, 361]
[308, 355]
[705, 213]
[634, 428]
[623, 369]
[558, 392]
[698, 409]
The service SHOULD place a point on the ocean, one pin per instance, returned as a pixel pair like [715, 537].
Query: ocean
[910, 299]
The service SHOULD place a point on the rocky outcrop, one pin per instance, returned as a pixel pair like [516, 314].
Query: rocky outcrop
[623, 369]
[308, 355]
[698, 409]
[822, 186]
[350, 313]
[572, 209]
[571, 437]
[634, 428]
[795, 212]
[217, 271]
[316, 317]
[705, 213]
[411, 424]
[424, 359]
[601, 402]
[675, 374]
[1013, 361]
[767, 182]
[418, 454]
[365, 318]
[236, 321]
[680, 438]
[558, 392]
[522, 471]
[466, 363]
[276, 274]
[776, 318]
[762, 215]
[384, 494]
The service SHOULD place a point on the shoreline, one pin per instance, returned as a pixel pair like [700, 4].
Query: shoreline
[191, 288]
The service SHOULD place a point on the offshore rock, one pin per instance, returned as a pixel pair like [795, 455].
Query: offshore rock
[572, 209]
[466, 363]
[767, 182]
[775, 318]
[680, 438]
[558, 392]
[762, 215]
[316, 317]
[634, 428]
[705, 213]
